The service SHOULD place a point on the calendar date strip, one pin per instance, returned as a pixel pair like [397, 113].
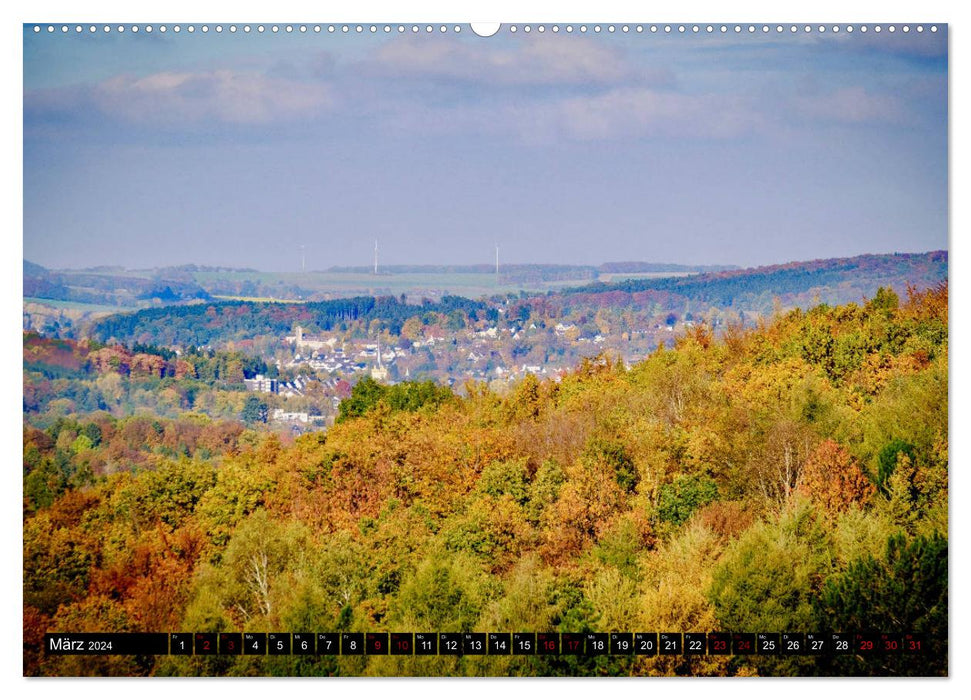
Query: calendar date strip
[482, 643]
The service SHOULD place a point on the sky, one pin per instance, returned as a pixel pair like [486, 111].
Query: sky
[236, 149]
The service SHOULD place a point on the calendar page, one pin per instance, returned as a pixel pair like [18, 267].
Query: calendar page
[460, 350]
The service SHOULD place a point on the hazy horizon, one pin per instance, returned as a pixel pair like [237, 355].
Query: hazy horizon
[233, 150]
[490, 265]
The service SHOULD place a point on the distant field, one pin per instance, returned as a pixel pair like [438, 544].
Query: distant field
[136, 274]
[471, 285]
[74, 305]
[111, 289]
[209, 276]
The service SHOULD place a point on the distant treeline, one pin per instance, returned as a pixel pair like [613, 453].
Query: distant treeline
[107, 285]
[620, 267]
[728, 287]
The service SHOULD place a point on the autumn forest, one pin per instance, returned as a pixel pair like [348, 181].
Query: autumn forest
[791, 475]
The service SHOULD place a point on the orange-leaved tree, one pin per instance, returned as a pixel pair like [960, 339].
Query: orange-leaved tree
[833, 479]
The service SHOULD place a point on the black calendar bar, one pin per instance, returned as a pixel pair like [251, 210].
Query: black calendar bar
[481, 643]
[106, 643]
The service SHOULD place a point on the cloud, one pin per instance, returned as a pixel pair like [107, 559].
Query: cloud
[546, 61]
[615, 114]
[188, 99]
[630, 112]
[849, 105]
[638, 112]
[534, 90]
[223, 95]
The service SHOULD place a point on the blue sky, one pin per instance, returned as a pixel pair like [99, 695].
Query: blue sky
[233, 149]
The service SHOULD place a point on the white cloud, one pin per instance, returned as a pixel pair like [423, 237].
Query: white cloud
[620, 113]
[222, 96]
[565, 88]
[534, 61]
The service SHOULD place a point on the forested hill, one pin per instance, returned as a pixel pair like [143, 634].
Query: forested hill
[204, 324]
[834, 280]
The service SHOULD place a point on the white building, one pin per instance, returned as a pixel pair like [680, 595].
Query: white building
[310, 342]
[279, 414]
[261, 384]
